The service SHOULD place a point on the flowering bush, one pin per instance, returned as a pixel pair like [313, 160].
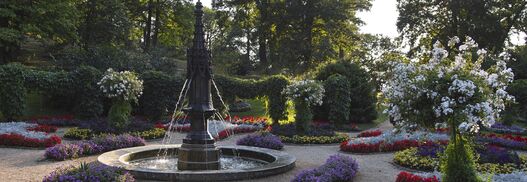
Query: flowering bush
[336, 168]
[264, 140]
[94, 146]
[89, 172]
[122, 85]
[309, 91]
[370, 133]
[452, 87]
[447, 86]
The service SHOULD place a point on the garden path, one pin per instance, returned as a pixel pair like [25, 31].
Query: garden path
[22, 164]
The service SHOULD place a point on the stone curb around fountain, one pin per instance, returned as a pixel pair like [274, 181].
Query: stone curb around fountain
[282, 162]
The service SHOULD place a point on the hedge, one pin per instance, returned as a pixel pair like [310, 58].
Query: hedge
[78, 90]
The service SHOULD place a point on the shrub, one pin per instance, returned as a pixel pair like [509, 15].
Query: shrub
[339, 101]
[297, 139]
[159, 94]
[153, 133]
[12, 90]
[362, 99]
[89, 172]
[78, 133]
[88, 99]
[305, 94]
[336, 168]
[458, 163]
[263, 140]
[517, 111]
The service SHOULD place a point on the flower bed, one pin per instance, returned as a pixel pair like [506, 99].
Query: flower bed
[44, 128]
[370, 133]
[504, 129]
[264, 140]
[297, 139]
[492, 159]
[89, 172]
[336, 168]
[27, 135]
[83, 134]
[391, 141]
[436, 177]
[507, 140]
[97, 145]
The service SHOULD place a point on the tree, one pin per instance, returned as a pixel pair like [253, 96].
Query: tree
[104, 22]
[488, 22]
[54, 20]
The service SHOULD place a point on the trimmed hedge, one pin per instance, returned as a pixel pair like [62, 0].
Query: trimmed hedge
[362, 97]
[78, 90]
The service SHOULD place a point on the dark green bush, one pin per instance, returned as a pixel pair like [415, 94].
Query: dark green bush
[88, 98]
[12, 90]
[160, 94]
[518, 110]
[339, 100]
[362, 98]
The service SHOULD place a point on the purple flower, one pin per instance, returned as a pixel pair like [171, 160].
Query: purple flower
[336, 168]
[89, 172]
[430, 149]
[264, 140]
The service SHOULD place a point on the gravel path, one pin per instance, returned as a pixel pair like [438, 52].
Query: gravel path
[23, 164]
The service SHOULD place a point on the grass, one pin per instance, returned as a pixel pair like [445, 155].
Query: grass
[257, 109]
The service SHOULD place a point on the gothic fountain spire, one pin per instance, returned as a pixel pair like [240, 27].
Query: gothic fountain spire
[198, 151]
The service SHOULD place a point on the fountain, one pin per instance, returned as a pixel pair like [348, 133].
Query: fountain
[198, 158]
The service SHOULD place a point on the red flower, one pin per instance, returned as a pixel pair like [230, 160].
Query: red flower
[44, 128]
[19, 140]
[409, 177]
[372, 133]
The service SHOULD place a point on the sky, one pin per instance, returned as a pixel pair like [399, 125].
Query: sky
[382, 18]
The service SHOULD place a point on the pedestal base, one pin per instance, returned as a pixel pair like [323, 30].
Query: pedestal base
[198, 157]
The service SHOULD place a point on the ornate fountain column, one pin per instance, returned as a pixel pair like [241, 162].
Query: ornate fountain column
[198, 151]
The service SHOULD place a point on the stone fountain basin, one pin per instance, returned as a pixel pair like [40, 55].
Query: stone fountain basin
[277, 162]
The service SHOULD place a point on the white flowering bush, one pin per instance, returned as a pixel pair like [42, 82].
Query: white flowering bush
[310, 91]
[442, 86]
[453, 87]
[123, 85]
[304, 93]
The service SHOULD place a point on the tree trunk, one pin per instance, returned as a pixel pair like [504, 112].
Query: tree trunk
[89, 24]
[148, 27]
[157, 24]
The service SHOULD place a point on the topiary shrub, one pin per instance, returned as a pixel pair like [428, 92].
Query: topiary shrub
[160, 94]
[339, 102]
[362, 99]
[12, 90]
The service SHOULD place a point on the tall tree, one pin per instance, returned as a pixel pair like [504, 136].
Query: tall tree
[54, 20]
[104, 22]
[488, 22]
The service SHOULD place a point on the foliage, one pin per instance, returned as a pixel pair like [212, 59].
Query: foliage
[44, 20]
[362, 107]
[264, 140]
[89, 172]
[430, 21]
[78, 133]
[458, 163]
[305, 94]
[159, 94]
[299, 139]
[153, 133]
[409, 158]
[88, 99]
[339, 101]
[336, 168]
[12, 90]
[119, 114]
[517, 110]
